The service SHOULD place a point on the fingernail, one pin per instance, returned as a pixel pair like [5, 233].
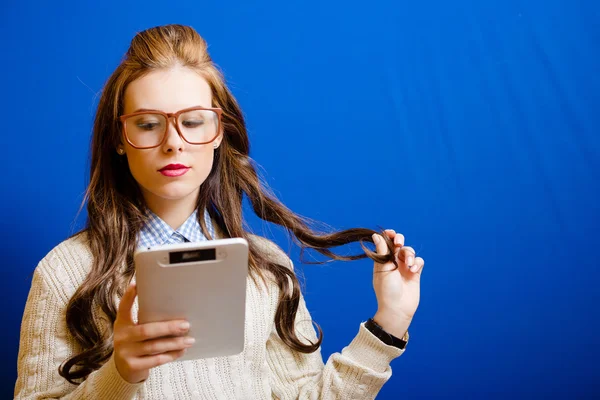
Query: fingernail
[410, 260]
[189, 340]
[376, 238]
[397, 239]
[185, 325]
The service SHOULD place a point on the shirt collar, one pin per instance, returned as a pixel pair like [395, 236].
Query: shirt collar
[157, 232]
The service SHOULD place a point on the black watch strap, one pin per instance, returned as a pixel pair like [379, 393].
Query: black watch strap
[385, 337]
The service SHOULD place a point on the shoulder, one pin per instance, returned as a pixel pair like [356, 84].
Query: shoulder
[271, 250]
[65, 267]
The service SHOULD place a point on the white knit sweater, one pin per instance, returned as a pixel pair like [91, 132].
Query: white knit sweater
[266, 369]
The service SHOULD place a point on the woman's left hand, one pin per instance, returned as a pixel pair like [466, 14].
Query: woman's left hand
[397, 289]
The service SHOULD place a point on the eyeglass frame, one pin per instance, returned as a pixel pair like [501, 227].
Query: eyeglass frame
[168, 117]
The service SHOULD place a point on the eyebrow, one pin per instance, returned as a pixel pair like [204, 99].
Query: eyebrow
[154, 109]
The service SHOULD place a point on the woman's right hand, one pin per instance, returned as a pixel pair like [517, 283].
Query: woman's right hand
[139, 347]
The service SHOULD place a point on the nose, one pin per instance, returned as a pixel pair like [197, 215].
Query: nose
[173, 142]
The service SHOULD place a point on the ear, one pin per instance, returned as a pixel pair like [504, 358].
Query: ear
[218, 141]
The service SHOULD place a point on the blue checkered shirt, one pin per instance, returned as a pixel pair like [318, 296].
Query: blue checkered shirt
[157, 232]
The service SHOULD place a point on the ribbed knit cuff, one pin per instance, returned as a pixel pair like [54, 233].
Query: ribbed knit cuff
[368, 350]
[109, 384]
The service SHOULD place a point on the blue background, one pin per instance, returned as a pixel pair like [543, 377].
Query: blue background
[470, 127]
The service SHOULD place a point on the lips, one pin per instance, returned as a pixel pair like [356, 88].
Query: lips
[173, 167]
[174, 170]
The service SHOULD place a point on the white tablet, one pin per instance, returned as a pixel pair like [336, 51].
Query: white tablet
[203, 283]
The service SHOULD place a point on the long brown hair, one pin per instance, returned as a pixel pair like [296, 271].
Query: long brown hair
[116, 209]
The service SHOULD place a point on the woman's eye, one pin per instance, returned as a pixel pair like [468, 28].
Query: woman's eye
[193, 123]
[148, 126]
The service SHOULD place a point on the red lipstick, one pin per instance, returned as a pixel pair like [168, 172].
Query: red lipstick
[174, 170]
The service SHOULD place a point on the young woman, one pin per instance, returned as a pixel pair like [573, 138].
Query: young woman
[170, 164]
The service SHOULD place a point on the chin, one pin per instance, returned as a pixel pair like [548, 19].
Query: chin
[174, 191]
[178, 194]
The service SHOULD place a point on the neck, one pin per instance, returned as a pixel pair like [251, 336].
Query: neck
[173, 211]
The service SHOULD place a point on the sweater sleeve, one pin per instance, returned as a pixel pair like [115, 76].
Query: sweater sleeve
[358, 372]
[45, 343]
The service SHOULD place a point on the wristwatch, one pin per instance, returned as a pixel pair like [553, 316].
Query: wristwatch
[385, 337]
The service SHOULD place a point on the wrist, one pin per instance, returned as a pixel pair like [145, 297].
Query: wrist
[392, 323]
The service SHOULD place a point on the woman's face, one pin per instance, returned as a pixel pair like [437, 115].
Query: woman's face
[169, 91]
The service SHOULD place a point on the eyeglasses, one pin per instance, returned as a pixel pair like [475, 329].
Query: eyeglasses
[148, 129]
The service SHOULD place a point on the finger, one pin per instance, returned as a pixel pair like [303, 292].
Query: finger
[381, 248]
[156, 360]
[417, 268]
[380, 244]
[124, 311]
[398, 238]
[164, 345]
[407, 255]
[153, 330]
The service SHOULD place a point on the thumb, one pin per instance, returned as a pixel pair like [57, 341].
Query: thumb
[124, 312]
[381, 249]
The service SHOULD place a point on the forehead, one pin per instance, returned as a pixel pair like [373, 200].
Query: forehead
[168, 90]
